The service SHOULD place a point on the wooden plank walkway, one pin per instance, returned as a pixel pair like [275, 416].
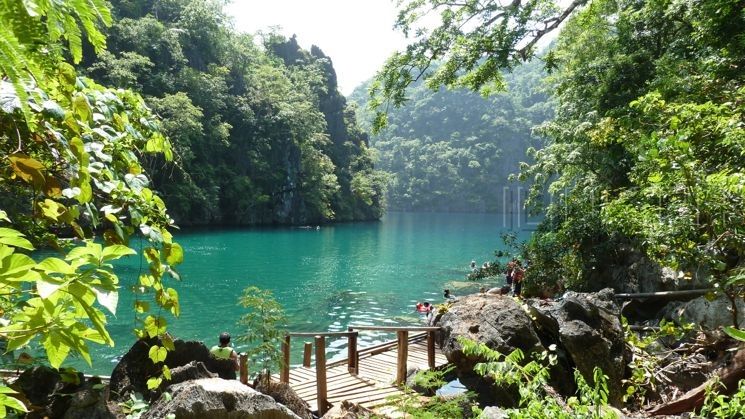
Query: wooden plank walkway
[374, 384]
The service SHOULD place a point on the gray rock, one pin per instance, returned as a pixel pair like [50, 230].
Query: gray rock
[134, 369]
[90, 403]
[192, 371]
[498, 322]
[493, 412]
[216, 398]
[348, 410]
[587, 331]
[707, 314]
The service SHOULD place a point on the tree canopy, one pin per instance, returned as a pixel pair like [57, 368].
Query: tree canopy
[645, 152]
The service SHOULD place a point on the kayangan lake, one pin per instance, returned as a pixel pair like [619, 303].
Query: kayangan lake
[326, 277]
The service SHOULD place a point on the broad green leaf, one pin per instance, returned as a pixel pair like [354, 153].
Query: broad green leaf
[17, 242]
[174, 253]
[166, 372]
[12, 403]
[28, 169]
[55, 265]
[116, 251]
[81, 107]
[52, 209]
[16, 264]
[147, 280]
[90, 253]
[155, 327]
[107, 298]
[57, 349]
[9, 232]
[735, 333]
[157, 353]
[142, 306]
[154, 383]
[46, 286]
[167, 342]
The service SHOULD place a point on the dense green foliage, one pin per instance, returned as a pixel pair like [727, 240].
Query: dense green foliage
[412, 404]
[531, 379]
[646, 151]
[645, 155]
[453, 150]
[721, 406]
[261, 134]
[70, 152]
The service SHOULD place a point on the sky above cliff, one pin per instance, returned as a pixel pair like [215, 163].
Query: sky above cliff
[358, 35]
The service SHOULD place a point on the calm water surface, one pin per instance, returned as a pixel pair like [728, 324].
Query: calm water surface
[348, 274]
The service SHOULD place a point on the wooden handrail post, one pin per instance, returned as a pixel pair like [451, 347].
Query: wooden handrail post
[322, 398]
[284, 376]
[243, 361]
[403, 354]
[431, 349]
[307, 348]
[352, 354]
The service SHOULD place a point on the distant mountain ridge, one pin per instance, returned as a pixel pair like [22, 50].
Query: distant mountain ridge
[453, 150]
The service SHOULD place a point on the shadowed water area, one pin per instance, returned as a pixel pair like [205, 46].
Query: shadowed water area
[327, 278]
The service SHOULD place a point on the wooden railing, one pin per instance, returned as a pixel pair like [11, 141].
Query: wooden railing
[353, 355]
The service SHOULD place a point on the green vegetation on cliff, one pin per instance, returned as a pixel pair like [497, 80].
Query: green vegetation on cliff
[453, 150]
[260, 133]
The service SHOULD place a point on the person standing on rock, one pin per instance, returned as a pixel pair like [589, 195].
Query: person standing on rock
[224, 350]
[517, 279]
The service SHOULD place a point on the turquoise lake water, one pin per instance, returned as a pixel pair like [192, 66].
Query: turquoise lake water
[369, 273]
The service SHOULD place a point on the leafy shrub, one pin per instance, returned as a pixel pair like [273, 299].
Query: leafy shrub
[724, 407]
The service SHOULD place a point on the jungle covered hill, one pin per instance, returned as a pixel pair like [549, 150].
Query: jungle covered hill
[643, 160]
[260, 133]
[454, 149]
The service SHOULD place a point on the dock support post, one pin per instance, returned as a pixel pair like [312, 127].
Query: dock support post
[307, 348]
[431, 349]
[243, 362]
[322, 398]
[284, 376]
[403, 354]
[352, 360]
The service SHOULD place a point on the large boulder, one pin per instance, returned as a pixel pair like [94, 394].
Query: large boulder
[584, 330]
[501, 324]
[709, 314]
[135, 368]
[216, 398]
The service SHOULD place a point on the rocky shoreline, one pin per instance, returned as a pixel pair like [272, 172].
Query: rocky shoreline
[580, 331]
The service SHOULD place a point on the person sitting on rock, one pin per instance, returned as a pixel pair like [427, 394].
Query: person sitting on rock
[224, 350]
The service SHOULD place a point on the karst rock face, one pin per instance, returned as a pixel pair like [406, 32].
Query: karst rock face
[585, 329]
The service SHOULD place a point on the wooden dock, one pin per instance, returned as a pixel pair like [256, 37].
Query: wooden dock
[371, 377]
